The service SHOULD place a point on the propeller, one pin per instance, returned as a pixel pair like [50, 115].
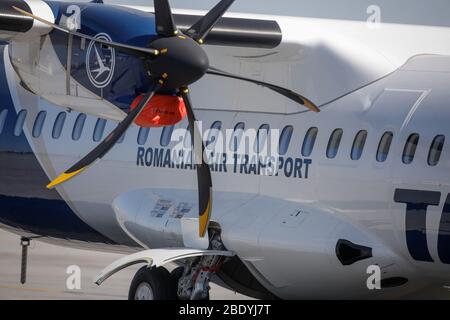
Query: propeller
[174, 61]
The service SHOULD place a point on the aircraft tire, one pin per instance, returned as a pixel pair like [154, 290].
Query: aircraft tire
[151, 284]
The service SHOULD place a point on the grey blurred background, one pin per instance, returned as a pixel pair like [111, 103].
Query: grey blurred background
[421, 12]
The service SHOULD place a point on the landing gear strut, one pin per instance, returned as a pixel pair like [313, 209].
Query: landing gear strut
[189, 282]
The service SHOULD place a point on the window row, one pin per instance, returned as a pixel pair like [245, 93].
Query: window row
[309, 141]
[384, 146]
[78, 127]
[334, 142]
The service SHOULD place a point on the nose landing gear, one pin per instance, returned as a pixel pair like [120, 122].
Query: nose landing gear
[154, 282]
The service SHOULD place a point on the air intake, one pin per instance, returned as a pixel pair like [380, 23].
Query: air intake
[348, 253]
[393, 282]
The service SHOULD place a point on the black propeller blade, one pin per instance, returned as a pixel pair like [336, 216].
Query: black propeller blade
[103, 148]
[165, 25]
[203, 170]
[283, 91]
[201, 29]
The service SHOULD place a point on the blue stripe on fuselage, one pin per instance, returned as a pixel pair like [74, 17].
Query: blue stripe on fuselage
[25, 203]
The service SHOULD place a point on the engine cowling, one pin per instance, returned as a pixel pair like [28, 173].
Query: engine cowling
[160, 218]
[15, 26]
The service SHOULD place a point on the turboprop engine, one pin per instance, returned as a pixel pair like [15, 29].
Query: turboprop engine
[17, 27]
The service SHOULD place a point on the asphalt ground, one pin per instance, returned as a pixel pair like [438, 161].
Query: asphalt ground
[47, 274]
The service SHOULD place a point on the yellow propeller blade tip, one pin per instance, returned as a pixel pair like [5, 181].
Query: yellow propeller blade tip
[311, 106]
[204, 221]
[63, 178]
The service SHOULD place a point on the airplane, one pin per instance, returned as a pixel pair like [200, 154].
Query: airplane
[283, 157]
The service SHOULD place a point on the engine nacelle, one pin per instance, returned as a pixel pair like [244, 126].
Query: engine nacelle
[15, 26]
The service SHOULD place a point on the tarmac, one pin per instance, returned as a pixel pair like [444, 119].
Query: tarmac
[47, 274]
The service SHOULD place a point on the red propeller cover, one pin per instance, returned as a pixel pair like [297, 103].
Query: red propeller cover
[161, 111]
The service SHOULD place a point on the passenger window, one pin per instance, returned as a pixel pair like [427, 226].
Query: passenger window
[436, 150]
[334, 143]
[237, 136]
[166, 136]
[99, 130]
[39, 124]
[309, 142]
[59, 125]
[18, 128]
[358, 145]
[261, 138]
[3, 116]
[214, 133]
[285, 140]
[78, 127]
[143, 136]
[410, 148]
[385, 146]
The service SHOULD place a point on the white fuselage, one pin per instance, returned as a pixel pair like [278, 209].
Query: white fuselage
[285, 227]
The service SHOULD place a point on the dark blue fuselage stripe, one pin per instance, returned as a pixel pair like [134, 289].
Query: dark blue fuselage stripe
[25, 204]
[444, 234]
[50, 218]
[417, 203]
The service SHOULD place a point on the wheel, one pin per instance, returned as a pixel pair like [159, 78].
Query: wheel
[176, 274]
[151, 284]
